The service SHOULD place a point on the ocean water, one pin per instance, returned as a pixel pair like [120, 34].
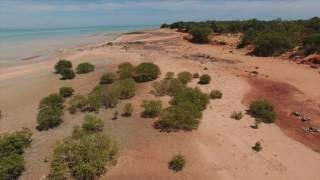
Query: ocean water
[18, 45]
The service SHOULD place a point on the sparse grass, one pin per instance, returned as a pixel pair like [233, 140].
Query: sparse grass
[236, 115]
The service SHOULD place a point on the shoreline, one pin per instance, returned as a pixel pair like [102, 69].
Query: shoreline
[221, 147]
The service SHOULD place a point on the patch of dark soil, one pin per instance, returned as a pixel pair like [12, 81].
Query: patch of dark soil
[286, 101]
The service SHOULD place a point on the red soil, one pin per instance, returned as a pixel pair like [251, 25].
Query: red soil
[288, 99]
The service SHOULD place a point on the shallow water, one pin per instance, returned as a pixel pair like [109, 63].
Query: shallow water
[25, 44]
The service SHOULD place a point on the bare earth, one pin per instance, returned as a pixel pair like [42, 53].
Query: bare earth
[220, 149]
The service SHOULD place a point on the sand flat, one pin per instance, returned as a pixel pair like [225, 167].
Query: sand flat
[219, 149]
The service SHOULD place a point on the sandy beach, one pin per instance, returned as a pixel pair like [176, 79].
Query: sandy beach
[220, 149]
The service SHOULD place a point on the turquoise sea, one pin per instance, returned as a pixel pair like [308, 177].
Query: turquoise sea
[20, 44]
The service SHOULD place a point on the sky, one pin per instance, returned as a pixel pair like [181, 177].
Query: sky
[59, 13]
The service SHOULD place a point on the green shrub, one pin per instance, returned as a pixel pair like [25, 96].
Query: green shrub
[216, 94]
[94, 102]
[67, 74]
[49, 117]
[170, 75]
[257, 147]
[52, 100]
[126, 88]
[66, 92]
[62, 65]
[12, 147]
[177, 118]
[205, 79]
[126, 70]
[50, 112]
[168, 87]
[92, 124]
[185, 77]
[201, 34]
[195, 75]
[193, 95]
[84, 68]
[108, 78]
[151, 109]
[164, 26]
[177, 163]
[236, 115]
[77, 102]
[127, 110]
[271, 43]
[108, 95]
[311, 43]
[83, 156]
[146, 72]
[264, 110]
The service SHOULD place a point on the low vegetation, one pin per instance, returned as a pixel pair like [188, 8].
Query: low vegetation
[127, 110]
[50, 112]
[263, 110]
[64, 68]
[185, 77]
[168, 87]
[152, 109]
[126, 88]
[200, 34]
[185, 111]
[170, 75]
[268, 38]
[77, 102]
[12, 148]
[108, 78]
[195, 75]
[126, 70]
[92, 124]
[62, 65]
[215, 94]
[236, 115]
[205, 79]
[84, 155]
[257, 147]
[146, 72]
[67, 74]
[311, 43]
[66, 92]
[177, 163]
[192, 95]
[84, 68]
